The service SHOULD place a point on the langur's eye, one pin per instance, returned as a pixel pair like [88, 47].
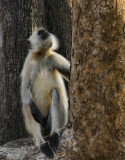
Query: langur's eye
[29, 44]
[43, 34]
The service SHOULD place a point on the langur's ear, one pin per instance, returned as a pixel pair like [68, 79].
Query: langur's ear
[48, 45]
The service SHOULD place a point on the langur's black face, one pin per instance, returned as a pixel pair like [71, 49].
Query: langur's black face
[43, 34]
[41, 38]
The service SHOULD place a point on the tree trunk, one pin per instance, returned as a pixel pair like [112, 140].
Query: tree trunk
[38, 14]
[97, 85]
[58, 21]
[15, 25]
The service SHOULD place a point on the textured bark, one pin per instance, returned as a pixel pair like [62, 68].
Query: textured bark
[15, 25]
[58, 21]
[97, 85]
[38, 14]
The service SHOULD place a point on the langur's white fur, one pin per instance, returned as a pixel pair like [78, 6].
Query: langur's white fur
[43, 83]
[37, 42]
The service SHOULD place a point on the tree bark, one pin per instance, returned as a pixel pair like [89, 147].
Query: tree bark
[58, 21]
[38, 14]
[97, 85]
[15, 26]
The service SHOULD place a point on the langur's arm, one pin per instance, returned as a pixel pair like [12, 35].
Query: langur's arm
[61, 64]
[27, 80]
